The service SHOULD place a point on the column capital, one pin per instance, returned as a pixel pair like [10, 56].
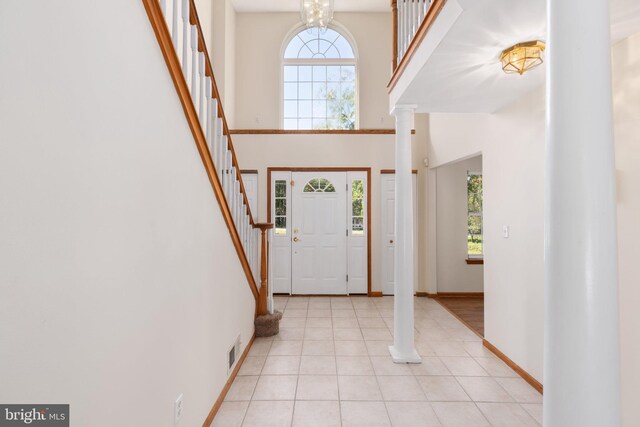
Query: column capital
[403, 108]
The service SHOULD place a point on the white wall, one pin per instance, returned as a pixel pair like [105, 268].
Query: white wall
[259, 42]
[453, 273]
[116, 268]
[513, 195]
[626, 104]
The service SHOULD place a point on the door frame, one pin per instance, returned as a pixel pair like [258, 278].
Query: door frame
[330, 169]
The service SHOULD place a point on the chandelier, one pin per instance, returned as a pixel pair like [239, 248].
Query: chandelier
[316, 13]
[522, 57]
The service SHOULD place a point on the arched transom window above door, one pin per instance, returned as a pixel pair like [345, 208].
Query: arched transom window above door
[319, 81]
[319, 185]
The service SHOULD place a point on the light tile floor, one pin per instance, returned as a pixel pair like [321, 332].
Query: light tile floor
[330, 366]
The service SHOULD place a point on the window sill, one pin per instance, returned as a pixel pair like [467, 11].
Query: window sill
[475, 261]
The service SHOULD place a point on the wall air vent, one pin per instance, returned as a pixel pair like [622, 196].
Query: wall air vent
[232, 354]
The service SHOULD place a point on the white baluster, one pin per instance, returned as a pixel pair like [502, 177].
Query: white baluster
[238, 196]
[251, 249]
[252, 243]
[240, 211]
[202, 94]
[185, 37]
[223, 145]
[223, 141]
[168, 15]
[240, 222]
[416, 16]
[232, 195]
[228, 168]
[194, 66]
[174, 23]
[256, 257]
[401, 27]
[225, 174]
[411, 19]
[406, 25]
[217, 136]
[244, 225]
[245, 222]
[400, 20]
[247, 234]
[210, 119]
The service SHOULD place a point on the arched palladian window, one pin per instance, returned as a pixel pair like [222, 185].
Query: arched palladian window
[320, 84]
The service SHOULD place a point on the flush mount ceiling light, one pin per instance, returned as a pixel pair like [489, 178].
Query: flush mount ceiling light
[522, 57]
[316, 13]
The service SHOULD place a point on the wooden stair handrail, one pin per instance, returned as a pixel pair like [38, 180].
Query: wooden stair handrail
[159, 25]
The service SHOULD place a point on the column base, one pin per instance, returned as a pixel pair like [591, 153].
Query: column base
[399, 357]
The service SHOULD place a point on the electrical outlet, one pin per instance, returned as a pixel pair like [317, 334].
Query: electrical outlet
[178, 408]
[505, 231]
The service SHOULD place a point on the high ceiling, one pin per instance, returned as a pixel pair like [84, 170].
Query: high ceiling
[294, 5]
[461, 73]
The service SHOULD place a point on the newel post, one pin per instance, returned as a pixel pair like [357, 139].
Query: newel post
[264, 270]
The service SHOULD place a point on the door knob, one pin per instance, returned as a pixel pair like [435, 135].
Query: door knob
[390, 241]
[295, 239]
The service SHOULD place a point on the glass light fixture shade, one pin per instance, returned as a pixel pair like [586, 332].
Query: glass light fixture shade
[316, 13]
[522, 57]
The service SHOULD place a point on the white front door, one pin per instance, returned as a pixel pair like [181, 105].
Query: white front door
[319, 233]
[388, 197]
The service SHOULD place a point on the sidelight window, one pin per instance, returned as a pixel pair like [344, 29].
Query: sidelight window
[357, 207]
[474, 215]
[281, 207]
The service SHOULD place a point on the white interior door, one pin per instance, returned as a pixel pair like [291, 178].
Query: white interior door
[387, 233]
[319, 233]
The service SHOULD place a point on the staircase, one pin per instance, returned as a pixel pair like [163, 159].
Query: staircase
[180, 36]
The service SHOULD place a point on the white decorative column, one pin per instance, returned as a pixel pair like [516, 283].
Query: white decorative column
[403, 349]
[581, 357]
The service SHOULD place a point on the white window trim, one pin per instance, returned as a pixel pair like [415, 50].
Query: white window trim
[336, 26]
